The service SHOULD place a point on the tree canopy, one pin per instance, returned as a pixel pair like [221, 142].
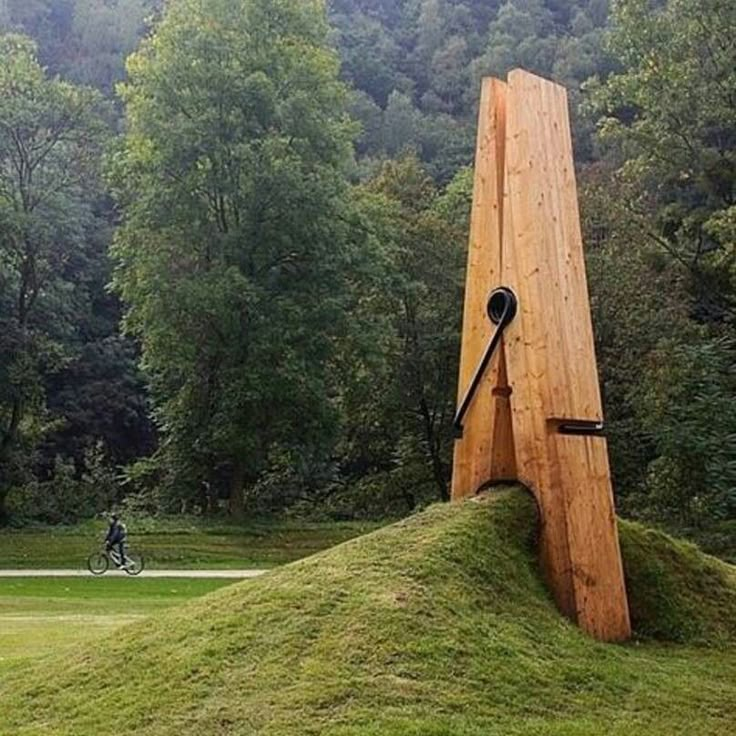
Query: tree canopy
[233, 252]
[258, 305]
[51, 137]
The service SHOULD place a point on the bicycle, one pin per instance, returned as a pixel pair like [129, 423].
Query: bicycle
[99, 562]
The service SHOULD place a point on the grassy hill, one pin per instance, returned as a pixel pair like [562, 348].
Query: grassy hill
[436, 625]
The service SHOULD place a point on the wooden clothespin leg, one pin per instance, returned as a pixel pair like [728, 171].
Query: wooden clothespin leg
[535, 413]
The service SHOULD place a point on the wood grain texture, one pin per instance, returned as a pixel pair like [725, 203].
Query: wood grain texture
[551, 361]
[486, 450]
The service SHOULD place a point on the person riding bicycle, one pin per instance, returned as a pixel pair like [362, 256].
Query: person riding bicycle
[116, 535]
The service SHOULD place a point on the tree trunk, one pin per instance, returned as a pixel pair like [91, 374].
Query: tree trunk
[433, 446]
[431, 435]
[4, 479]
[236, 505]
[3, 510]
[7, 441]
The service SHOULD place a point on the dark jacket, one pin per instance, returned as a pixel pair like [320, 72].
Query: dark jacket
[116, 533]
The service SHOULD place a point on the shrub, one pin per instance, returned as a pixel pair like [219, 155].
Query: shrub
[67, 496]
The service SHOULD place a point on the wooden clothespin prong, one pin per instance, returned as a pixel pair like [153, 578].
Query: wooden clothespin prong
[536, 414]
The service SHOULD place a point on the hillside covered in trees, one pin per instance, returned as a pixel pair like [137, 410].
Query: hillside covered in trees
[233, 233]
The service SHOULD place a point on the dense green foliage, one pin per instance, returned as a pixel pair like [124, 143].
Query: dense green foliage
[291, 201]
[85, 41]
[416, 65]
[58, 337]
[234, 253]
[440, 624]
[662, 205]
[398, 441]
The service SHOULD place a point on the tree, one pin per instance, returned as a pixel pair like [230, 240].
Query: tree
[421, 61]
[369, 55]
[51, 137]
[100, 37]
[98, 399]
[232, 254]
[668, 117]
[85, 41]
[638, 299]
[668, 132]
[424, 299]
[687, 408]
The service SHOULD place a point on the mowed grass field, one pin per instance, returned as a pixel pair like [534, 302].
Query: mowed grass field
[179, 543]
[44, 615]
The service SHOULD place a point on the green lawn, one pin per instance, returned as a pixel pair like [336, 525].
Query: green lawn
[43, 615]
[439, 625]
[39, 616]
[179, 543]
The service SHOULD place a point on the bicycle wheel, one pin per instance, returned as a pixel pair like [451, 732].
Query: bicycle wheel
[134, 563]
[97, 563]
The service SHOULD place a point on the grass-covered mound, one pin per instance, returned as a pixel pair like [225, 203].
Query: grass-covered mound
[437, 625]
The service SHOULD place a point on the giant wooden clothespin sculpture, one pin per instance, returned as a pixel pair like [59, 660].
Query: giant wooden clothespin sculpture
[529, 401]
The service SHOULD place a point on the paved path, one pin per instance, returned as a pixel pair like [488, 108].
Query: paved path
[144, 574]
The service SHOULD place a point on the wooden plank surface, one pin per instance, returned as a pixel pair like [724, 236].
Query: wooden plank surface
[551, 361]
[601, 606]
[485, 452]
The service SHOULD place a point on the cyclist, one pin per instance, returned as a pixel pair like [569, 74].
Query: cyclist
[116, 535]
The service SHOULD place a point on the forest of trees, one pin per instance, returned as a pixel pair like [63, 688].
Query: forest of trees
[233, 233]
